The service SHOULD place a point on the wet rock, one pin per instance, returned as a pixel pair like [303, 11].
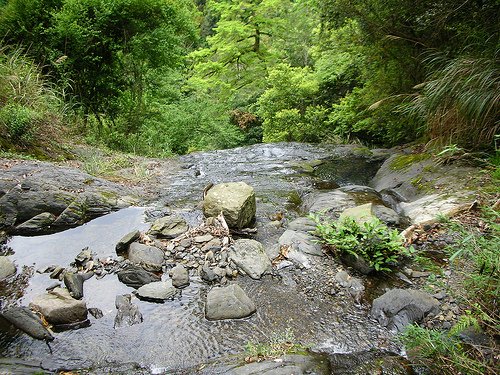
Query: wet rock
[74, 283]
[58, 307]
[136, 277]
[57, 272]
[126, 240]
[208, 275]
[250, 257]
[128, 314]
[25, 320]
[399, 307]
[7, 268]
[361, 214]
[148, 257]
[356, 262]
[96, 313]
[295, 364]
[360, 189]
[330, 203]
[236, 200]
[158, 291]
[169, 227]
[369, 363]
[180, 276]
[352, 284]
[302, 224]
[229, 302]
[37, 224]
[301, 241]
[386, 214]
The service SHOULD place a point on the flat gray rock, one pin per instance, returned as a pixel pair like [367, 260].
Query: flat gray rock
[58, 307]
[158, 291]
[302, 224]
[398, 308]
[170, 226]
[250, 257]
[148, 257]
[7, 268]
[229, 302]
[236, 200]
[126, 240]
[330, 203]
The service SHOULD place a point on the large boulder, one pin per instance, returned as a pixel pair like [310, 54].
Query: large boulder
[58, 307]
[361, 214]
[236, 200]
[398, 308]
[169, 227]
[229, 302]
[7, 268]
[428, 208]
[148, 257]
[250, 257]
[300, 241]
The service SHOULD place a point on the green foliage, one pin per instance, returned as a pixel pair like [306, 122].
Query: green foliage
[441, 352]
[287, 107]
[19, 122]
[372, 240]
[278, 345]
[460, 100]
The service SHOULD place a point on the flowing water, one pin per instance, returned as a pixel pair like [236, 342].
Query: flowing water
[175, 335]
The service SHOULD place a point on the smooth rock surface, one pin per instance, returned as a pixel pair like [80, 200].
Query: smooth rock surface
[302, 224]
[169, 227]
[135, 276]
[229, 302]
[236, 200]
[250, 257]
[58, 307]
[148, 257]
[74, 283]
[330, 203]
[398, 308]
[24, 319]
[301, 242]
[158, 291]
[426, 209]
[361, 214]
[126, 240]
[7, 268]
[180, 276]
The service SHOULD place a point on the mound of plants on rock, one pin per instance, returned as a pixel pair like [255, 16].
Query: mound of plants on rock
[371, 240]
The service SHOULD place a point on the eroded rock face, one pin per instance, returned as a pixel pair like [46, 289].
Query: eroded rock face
[41, 197]
[398, 308]
[229, 302]
[250, 257]
[236, 200]
[7, 268]
[58, 307]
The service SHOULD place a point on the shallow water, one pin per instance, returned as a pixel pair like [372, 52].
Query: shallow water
[175, 334]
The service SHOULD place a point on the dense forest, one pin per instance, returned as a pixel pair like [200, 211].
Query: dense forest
[162, 77]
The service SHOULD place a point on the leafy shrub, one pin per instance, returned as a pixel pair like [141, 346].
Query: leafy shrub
[19, 123]
[372, 240]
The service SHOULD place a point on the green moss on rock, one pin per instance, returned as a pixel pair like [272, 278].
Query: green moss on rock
[402, 162]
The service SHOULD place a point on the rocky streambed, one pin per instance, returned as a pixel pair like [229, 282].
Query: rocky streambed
[162, 286]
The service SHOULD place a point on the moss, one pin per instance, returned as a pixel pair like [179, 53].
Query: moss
[401, 162]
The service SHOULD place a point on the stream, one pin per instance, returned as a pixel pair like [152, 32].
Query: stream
[175, 337]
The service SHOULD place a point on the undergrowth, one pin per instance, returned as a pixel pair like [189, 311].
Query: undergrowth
[475, 256]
